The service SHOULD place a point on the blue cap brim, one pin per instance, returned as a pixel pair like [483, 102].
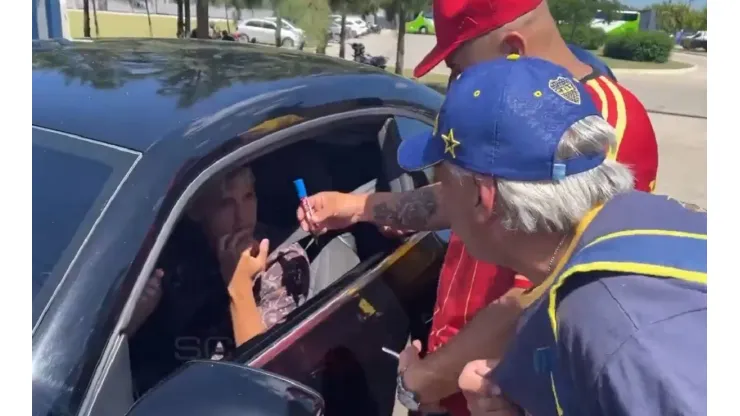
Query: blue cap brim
[420, 152]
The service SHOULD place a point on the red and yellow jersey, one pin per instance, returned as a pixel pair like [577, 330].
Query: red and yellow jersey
[636, 143]
[466, 285]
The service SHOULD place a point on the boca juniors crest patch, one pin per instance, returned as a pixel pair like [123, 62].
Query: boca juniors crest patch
[566, 89]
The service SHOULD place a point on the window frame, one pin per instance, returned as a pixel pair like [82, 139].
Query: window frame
[243, 154]
[122, 162]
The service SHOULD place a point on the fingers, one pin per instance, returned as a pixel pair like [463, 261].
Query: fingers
[417, 345]
[473, 378]
[223, 243]
[489, 406]
[154, 284]
[264, 250]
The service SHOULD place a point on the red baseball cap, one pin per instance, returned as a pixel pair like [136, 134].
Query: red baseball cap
[458, 21]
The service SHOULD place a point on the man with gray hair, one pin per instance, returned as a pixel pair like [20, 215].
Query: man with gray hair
[618, 325]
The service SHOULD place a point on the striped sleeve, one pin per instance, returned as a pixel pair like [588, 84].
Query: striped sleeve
[636, 143]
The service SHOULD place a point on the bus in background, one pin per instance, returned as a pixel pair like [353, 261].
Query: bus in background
[622, 21]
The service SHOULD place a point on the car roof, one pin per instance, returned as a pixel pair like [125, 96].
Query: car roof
[135, 93]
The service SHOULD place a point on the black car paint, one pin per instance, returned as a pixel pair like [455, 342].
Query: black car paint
[225, 384]
[183, 105]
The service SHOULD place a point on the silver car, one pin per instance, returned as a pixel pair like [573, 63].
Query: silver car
[263, 31]
[335, 29]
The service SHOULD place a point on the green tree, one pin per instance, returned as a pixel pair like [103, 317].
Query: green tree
[673, 17]
[312, 16]
[579, 13]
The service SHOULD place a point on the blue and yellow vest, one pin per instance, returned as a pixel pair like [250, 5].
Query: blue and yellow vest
[635, 233]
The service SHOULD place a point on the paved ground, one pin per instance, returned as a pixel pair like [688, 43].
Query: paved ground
[677, 103]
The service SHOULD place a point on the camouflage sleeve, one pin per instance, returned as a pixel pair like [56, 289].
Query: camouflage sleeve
[283, 286]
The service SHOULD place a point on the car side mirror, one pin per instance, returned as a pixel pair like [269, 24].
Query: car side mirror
[223, 388]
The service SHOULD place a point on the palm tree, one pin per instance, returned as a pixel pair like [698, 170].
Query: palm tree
[148, 17]
[401, 37]
[95, 17]
[201, 19]
[278, 22]
[188, 19]
[86, 18]
[180, 22]
[400, 9]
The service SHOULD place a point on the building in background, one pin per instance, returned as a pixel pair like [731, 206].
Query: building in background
[50, 19]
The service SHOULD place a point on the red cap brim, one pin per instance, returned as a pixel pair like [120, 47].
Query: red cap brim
[433, 58]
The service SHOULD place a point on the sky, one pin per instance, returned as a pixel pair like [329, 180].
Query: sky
[644, 3]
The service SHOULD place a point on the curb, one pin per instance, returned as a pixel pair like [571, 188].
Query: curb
[676, 71]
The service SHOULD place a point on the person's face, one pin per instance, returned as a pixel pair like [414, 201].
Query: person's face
[472, 214]
[490, 46]
[231, 208]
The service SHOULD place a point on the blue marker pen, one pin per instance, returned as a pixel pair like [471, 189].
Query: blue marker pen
[300, 188]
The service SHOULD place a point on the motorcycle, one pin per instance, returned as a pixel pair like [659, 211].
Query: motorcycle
[360, 56]
[374, 28]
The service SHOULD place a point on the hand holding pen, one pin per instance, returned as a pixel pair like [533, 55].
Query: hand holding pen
[327, 211]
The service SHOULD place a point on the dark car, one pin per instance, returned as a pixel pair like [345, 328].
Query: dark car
[125, 133]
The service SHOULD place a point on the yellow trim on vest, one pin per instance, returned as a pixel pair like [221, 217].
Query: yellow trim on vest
[535, 293]
[668, 233]
[555, 395]
[624, 267]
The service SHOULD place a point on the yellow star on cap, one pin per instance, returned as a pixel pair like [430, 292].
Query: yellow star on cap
[450, 143]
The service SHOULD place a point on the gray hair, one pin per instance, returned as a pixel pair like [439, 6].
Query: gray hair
[558, 206]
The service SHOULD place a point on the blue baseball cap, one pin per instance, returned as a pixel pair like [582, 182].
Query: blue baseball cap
[505, 118]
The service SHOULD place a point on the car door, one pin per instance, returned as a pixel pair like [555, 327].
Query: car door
[337, 345]
[268, 32]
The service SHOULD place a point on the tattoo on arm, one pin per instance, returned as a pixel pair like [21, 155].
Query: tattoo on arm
[412, 211]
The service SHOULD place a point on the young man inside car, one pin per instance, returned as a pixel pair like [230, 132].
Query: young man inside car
[478, 304]
[216, 287]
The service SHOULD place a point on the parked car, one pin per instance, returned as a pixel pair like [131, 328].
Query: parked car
[335, 29]
[695, 41]
[356, 23]
[423, 23]
[289, 24]
[263, 31]
[111, 188]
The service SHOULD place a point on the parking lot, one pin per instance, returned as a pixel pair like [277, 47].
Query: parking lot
[676, 101]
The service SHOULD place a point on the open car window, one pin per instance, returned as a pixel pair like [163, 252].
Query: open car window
[192, 319]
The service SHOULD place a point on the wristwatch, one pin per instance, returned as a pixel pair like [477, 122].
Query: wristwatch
[407, 398]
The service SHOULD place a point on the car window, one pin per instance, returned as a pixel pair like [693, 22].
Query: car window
[628, 17]
[428, 15]
[269, 25]
[409, 127]
[253, 23]
[342, 158]
[73, 179]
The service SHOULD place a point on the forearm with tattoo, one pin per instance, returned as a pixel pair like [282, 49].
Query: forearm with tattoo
[418, 210]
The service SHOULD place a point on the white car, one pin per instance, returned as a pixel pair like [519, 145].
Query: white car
[263, 31]
[355, 23]
[287, 23]
[335, 29]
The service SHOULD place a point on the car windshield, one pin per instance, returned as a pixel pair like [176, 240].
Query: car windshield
[73, 179]
[285, 24]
